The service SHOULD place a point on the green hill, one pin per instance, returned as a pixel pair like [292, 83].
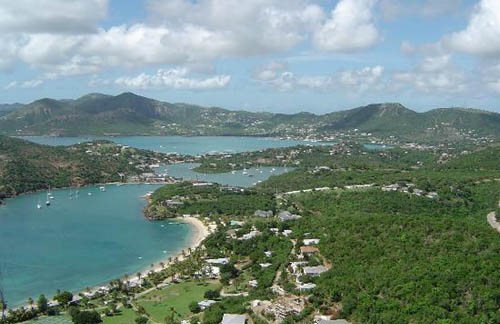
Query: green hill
[26, 166]
[130, 114]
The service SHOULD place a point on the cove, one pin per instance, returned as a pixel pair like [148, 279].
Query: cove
[85, 241]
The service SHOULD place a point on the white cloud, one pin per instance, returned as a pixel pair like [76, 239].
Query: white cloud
[270, 71]
[482, 35]
[31, 84]
[174, 78]
[362, 79]
[11, 85]
[179, 32]
[54, 16]
[350, 28]
[491, 76]
[436, 74]
[277, 75]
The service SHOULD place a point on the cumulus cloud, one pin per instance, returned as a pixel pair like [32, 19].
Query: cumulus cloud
[435, 74]
[177, 78]
[277, 75]
[350, 28]
[482, 35]
[362, 79]
[51, 16]
[178, 32]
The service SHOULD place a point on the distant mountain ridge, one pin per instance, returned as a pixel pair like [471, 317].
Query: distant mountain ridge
[130, 114]
[7, 108]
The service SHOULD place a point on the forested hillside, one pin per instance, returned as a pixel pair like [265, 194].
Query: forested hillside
[26, 166]
[130, 114]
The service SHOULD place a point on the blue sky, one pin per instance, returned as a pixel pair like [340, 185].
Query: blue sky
[260, 55]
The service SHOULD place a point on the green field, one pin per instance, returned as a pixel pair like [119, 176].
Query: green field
[159, 302]
[51, 320]
[126, 316]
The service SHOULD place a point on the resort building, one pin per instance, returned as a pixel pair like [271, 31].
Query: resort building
[308, 242]
[314, 271]
[263, 213]
[287, 216]
[234, 319]
[206, 303]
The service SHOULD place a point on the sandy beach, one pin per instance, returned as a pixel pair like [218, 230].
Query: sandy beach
[200, 232]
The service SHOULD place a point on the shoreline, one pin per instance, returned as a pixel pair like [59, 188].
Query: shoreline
[199, 234]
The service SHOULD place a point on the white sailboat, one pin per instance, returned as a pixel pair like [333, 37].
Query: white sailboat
[39, 206]
[47, 202]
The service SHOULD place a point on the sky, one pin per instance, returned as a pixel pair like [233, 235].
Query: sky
[260, 55]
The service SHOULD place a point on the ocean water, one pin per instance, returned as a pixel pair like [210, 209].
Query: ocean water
[81, 242]
[180, 144]
[238, 178]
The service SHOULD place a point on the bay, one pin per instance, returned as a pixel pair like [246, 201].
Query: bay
[240, 178]
[196, 145]
[81, 242]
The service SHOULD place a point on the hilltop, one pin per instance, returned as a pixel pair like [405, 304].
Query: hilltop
[130, 114]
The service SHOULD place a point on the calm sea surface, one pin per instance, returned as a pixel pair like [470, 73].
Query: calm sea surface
[81, 242]
[181, 145]
[89, 240]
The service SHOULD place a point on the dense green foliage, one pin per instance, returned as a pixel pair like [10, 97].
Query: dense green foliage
[26, 166]
[398, 258]
[207, 200]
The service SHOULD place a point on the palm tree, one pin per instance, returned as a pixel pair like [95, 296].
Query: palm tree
[139, 275]
[170, 319]
[162, 265]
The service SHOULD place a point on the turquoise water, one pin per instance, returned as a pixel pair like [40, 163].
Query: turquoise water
[377, 147]
[181, 145]
[80, 242]
[238, 178]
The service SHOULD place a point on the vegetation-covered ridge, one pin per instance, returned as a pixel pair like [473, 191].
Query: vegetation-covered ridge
[27, 167]
[129, 114]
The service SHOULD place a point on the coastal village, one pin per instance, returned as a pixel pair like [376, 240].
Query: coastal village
[253, 257]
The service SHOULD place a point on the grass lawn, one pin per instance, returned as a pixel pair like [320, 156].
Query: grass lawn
[158, 302]
[127, 316]
[51, 320]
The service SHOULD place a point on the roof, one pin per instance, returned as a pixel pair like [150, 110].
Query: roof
[234, 319]
[308, 249]
[315, 270]
[339, 321]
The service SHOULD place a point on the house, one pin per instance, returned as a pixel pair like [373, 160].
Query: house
[234, 319]
[295, 265]
[253, 283]
[265, 265]
[308, 250]
[287, 216]
[314, 271]
[308, 242]
[263, 214]
[327, 321]
[287, 232]
[206, 303]
[306, 286]
[236, 223]
[202, 184]
[249, 236]
[218, 261]
[268, 253]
